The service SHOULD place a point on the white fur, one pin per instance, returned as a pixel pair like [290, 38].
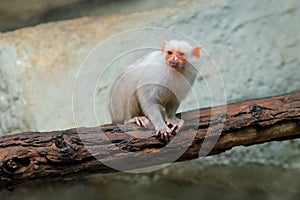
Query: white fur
[149, 83]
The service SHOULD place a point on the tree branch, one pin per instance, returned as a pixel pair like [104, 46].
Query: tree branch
[71, 153]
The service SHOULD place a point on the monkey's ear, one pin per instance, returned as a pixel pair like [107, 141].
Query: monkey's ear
[196, 51]
[163, 45]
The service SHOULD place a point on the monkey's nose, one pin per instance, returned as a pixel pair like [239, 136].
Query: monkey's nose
[174, 59]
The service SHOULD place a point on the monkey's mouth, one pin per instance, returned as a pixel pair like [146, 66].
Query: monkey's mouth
[175, 65]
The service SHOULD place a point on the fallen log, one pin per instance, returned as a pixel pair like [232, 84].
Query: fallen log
[71, 153]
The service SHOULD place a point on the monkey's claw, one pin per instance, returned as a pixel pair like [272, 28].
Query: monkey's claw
[164, 133]
[176, 124]
[140, 121]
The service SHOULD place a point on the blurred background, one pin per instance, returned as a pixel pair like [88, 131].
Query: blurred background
[255, 46]
[18, 13]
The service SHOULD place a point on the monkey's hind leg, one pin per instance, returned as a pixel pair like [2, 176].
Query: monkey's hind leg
[136, 113]
[141, 121]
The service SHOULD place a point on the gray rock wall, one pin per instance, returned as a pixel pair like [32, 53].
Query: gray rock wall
[255, 46]
[14, 116]
[16, 14]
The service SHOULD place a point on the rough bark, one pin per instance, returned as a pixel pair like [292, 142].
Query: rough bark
[71, 153]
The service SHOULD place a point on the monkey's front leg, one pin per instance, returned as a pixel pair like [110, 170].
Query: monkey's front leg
[175, 123]
[155, 114]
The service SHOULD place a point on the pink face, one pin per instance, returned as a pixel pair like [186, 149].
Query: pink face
[176, 59]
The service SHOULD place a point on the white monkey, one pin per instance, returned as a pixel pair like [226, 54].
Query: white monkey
[151, 89]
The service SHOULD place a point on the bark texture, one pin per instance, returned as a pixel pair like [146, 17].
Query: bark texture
[78, 152]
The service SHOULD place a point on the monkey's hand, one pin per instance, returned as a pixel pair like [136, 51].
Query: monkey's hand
[175, 123]
[164, 132]
[141, 121]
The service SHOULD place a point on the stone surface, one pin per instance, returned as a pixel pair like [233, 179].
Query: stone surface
[254, 44]
[14, 116]
[18, 13]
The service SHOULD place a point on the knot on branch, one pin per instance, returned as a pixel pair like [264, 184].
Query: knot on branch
[255, 109]
[16, 165]
[59, 141]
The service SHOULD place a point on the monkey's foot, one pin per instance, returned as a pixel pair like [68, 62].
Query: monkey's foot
[141, 121]
[176, 124]
[164, 133]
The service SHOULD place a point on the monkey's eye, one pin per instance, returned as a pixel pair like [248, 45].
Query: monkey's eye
[181, 54]
[170, 52]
